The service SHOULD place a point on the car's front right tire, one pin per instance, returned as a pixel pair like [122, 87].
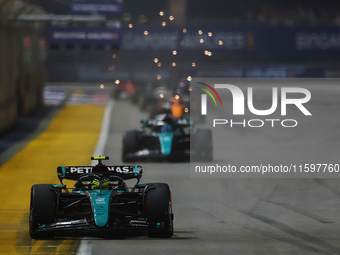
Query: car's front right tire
[42, 209]
[130, 144]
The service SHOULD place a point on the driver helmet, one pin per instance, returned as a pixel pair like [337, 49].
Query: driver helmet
[105, 183]
[166, 128]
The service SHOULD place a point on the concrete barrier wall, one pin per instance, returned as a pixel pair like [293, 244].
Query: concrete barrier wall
[22, 55]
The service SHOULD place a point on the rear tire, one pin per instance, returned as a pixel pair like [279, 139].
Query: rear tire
[159, 209]
[42, 210]
[204, 145]
[130, 144]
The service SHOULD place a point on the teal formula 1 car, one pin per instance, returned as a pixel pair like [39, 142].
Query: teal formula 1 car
[167, 139]
[100, 202]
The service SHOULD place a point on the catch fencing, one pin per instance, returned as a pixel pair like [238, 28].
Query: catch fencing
[22, 56]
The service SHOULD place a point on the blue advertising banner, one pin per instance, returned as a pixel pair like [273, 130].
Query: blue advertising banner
[101, 8]
[86, 35]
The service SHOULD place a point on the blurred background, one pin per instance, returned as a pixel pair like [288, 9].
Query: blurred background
[135, 46]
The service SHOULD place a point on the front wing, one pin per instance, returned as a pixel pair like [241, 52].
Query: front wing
[157, 155]
[85, 226]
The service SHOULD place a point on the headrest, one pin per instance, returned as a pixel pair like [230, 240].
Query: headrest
[100, 169]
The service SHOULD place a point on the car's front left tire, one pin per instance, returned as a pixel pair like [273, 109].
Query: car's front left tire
[159, 210]
[204, 145]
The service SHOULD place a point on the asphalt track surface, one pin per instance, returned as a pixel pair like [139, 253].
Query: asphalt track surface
[212, 215]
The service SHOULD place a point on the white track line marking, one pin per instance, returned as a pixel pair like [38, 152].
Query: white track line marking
[104, 134]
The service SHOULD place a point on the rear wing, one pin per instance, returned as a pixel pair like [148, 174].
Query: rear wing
[184, 122]
[155, 122]
[125, 172]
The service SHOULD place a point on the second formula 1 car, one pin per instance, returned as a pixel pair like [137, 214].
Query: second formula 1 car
[167, 138]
